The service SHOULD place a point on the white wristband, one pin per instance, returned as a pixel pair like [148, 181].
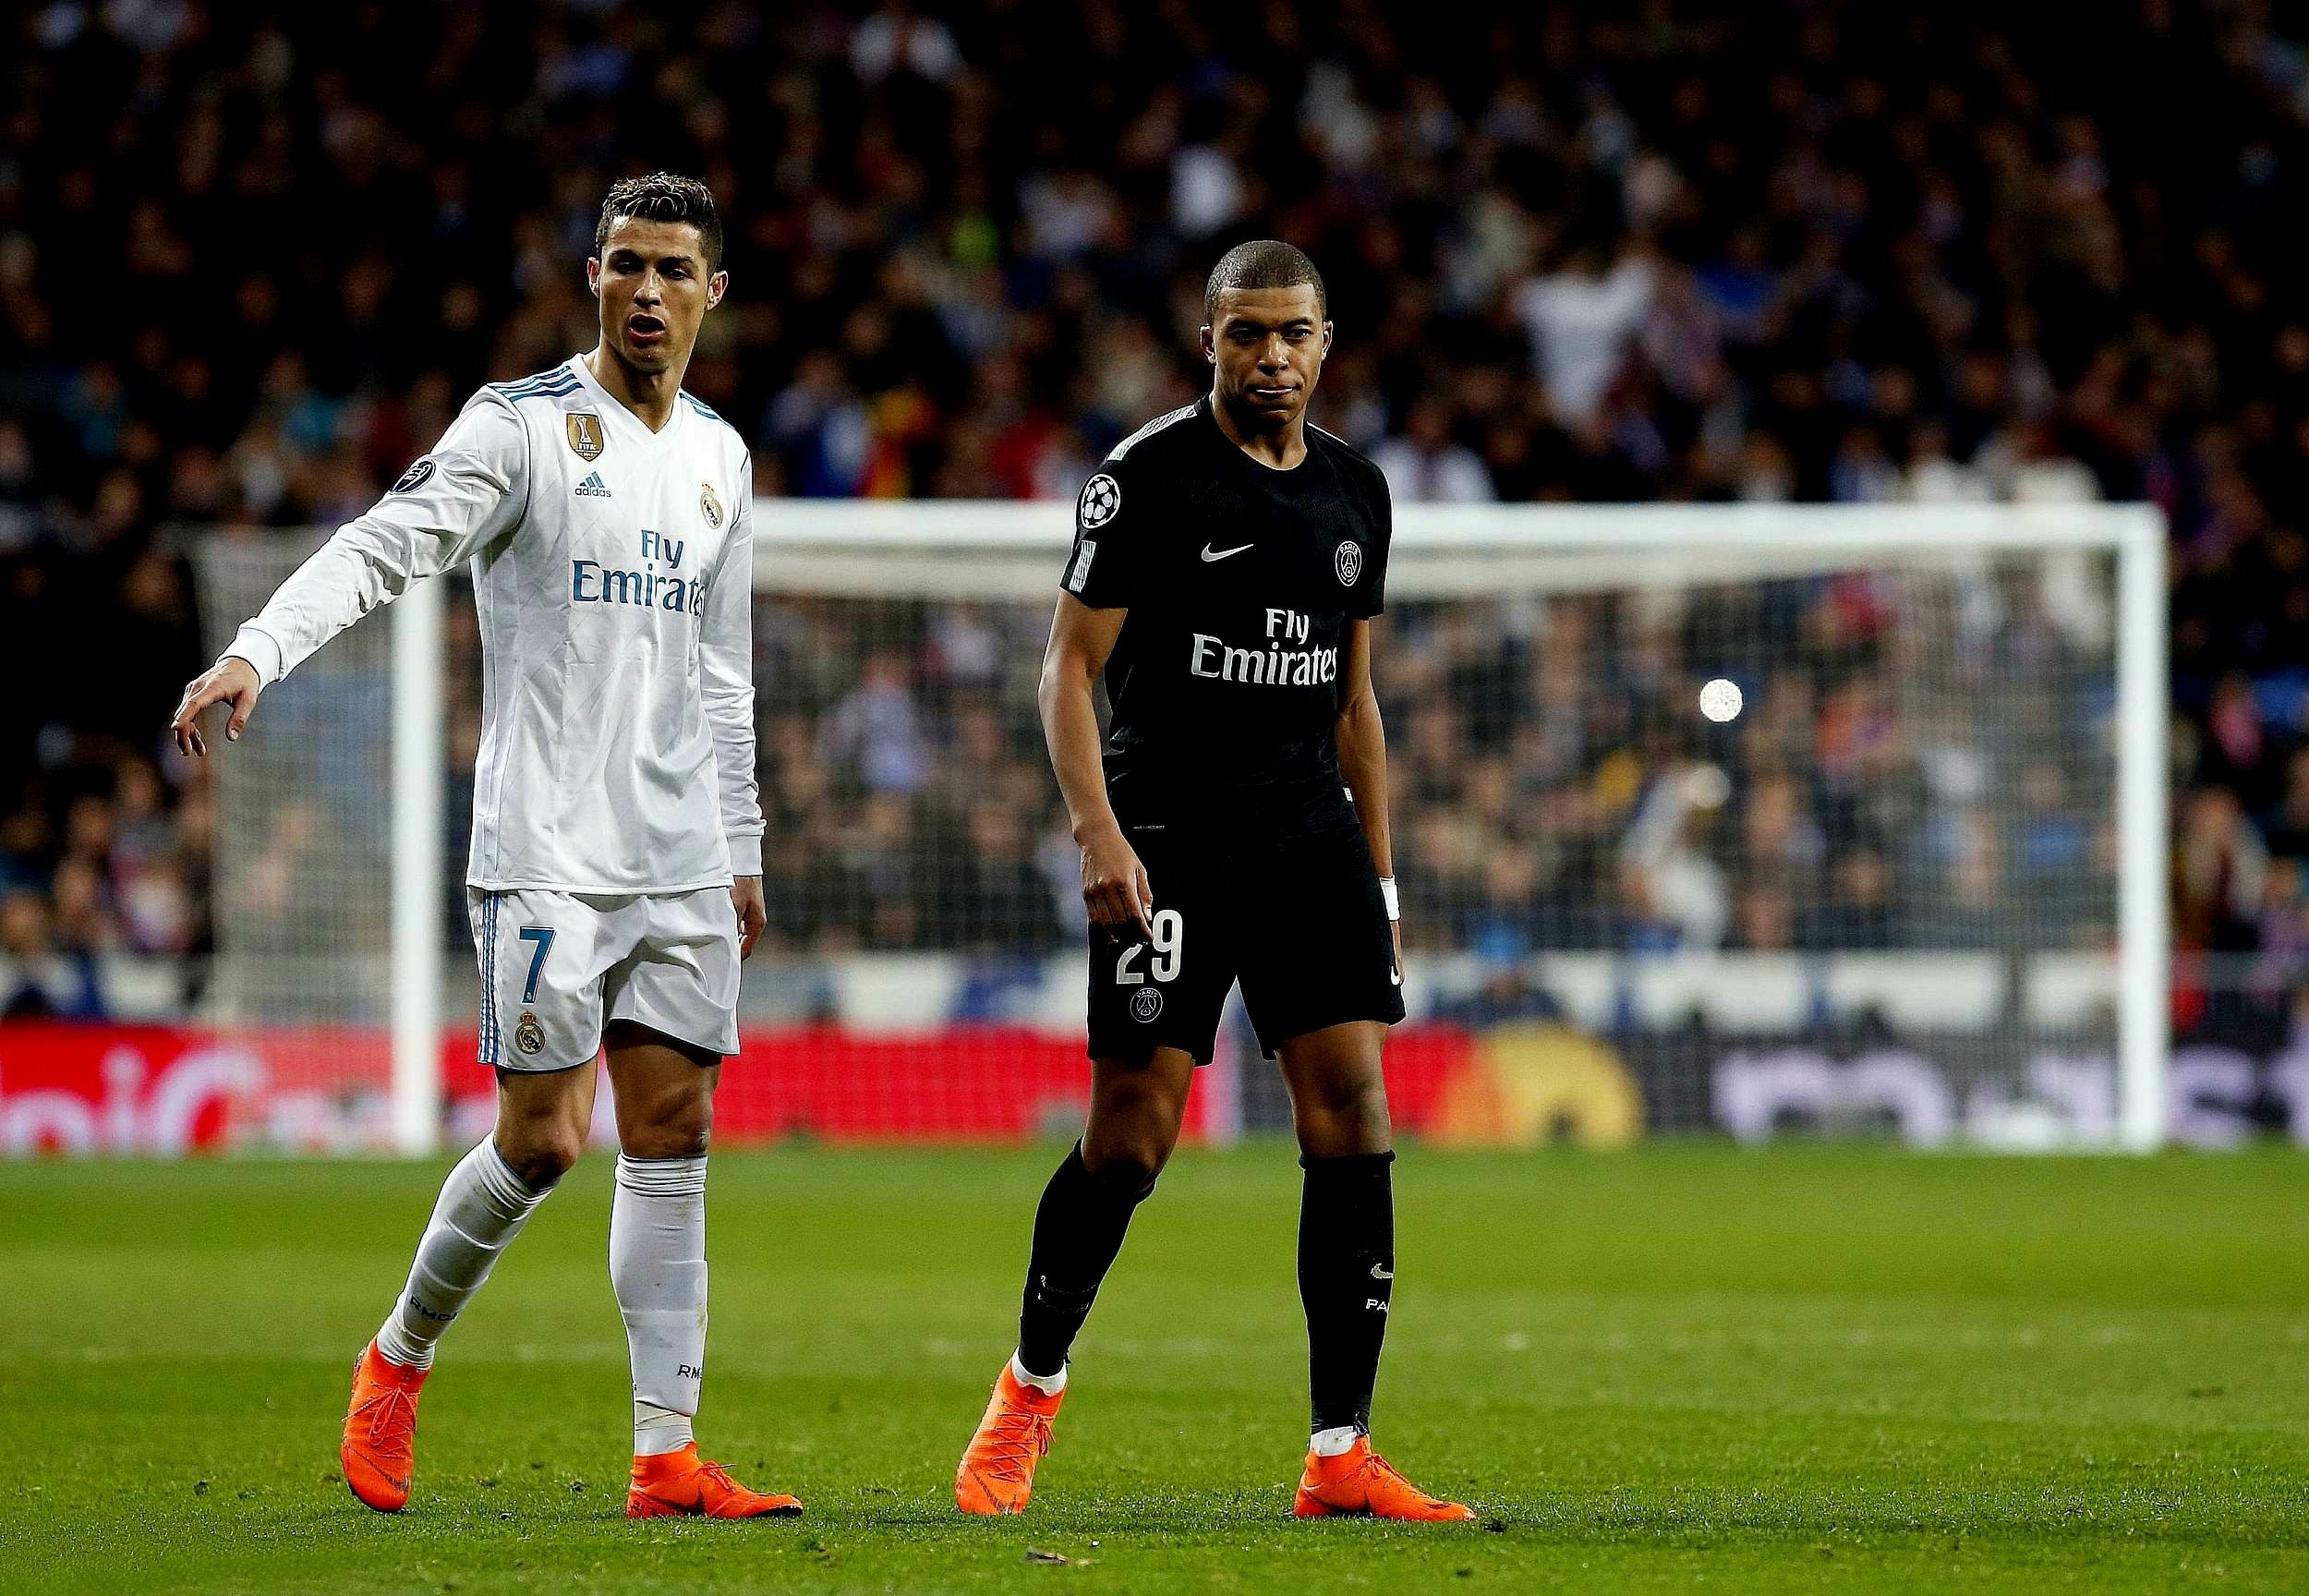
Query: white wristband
[1395, 903]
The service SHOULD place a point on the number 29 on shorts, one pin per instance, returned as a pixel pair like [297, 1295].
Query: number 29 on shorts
[1169, 943]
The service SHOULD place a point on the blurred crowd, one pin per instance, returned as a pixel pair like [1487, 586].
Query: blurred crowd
[252, 258]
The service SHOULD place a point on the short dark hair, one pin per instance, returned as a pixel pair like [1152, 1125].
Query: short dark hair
[1262, 263]
[662, 197]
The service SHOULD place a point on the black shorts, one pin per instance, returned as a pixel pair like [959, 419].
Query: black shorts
[1298, 920]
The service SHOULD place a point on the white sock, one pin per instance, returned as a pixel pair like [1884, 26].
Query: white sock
[1048, 1384]
[658, 1263]
[1331, 1443]
[483, 1206]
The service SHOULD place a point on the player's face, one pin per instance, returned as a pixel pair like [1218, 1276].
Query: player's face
[654, 288]
[1267, 345]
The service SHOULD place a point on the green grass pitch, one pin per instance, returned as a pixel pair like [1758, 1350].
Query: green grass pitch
[1681, 1369]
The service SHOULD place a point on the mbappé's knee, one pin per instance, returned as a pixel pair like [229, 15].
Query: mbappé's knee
[1126, 1165]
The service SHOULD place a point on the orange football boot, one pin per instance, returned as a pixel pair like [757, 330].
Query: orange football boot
[996, 1474]
[1358, 1482]
[672, 1483]
[379, 1448]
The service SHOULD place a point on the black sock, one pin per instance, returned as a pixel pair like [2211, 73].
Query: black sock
[1078, 1229]
[1345, 1280]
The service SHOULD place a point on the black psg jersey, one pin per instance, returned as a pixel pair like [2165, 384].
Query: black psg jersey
[1239, 581]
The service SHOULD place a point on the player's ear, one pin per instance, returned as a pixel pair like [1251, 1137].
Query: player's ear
[1326, 340]
[593, 275]
[716, 287]
[1210, 345]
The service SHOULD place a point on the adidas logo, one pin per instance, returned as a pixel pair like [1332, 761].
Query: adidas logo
[593, 487]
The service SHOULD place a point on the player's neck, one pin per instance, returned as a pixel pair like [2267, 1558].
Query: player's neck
[649, 395]
[1277, 451]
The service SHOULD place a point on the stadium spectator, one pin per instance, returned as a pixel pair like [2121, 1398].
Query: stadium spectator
[1426, 466]
[1582, 320]
[39, 980]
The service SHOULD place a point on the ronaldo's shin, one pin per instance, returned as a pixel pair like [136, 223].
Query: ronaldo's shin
[658, 1266]
[482, 1207]
[1346, 1281]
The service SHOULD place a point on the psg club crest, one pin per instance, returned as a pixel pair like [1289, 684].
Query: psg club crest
[585, 434]
[1145, 1003]
[416, 477]
[1101, 496]
[709, 505]
[1349, 561]
[529, 1036]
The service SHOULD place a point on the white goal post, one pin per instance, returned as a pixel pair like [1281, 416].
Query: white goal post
[419, 759]
[1510, 559]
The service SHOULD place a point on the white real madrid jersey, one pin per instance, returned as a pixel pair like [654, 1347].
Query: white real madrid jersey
[613, 568]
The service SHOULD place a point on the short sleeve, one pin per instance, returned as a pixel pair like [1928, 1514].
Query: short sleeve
[1368, 597]
[1113, 519]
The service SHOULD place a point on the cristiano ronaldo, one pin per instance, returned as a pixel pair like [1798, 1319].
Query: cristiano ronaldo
[614, 883]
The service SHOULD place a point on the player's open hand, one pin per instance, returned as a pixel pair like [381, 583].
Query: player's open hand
[229, 681]
[746, 897]
[1115, 887]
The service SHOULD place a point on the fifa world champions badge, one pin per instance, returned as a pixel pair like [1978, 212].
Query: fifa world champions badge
[585, 440]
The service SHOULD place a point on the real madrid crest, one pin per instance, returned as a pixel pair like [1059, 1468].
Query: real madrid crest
[708, 504]
[529, 1036]
[1348, 560]
[585, 434]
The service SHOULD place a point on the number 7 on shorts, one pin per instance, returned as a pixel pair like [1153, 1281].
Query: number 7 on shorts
[543, 936]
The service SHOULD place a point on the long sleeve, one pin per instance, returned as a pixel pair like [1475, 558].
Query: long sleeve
[726, 665]
[446, 507]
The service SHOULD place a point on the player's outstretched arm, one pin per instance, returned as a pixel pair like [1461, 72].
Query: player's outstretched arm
[1114, 885]
[1361, 737]
[231, 680]
[444, 509]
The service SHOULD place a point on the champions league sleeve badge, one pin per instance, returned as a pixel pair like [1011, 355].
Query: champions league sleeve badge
[1101, 496]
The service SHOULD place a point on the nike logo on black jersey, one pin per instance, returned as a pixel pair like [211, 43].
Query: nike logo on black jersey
[1224, 552]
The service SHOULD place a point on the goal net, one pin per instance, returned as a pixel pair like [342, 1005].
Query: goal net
[1913, 887]
[326, 946]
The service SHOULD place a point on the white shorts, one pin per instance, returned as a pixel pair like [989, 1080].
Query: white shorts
[557, 966]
